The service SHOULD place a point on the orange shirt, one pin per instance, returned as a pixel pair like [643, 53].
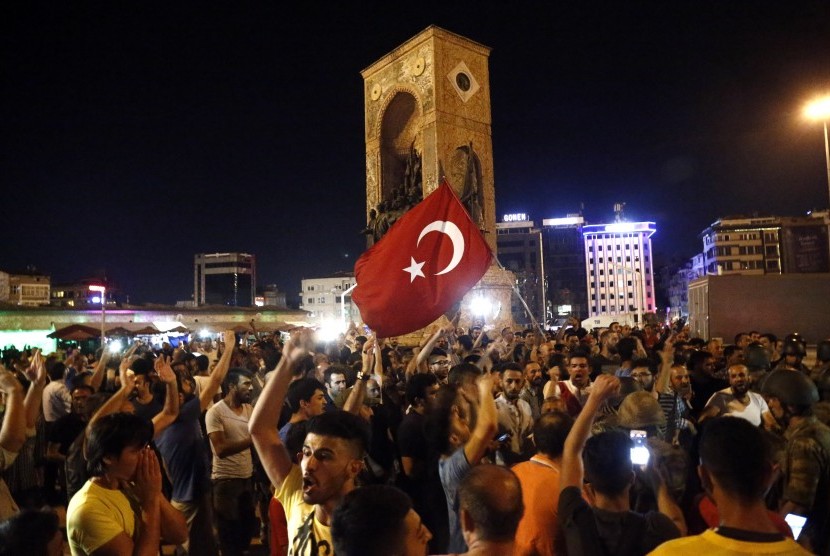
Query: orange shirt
[539, 531]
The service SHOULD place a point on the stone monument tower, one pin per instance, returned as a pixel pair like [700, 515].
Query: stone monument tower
[427, 116]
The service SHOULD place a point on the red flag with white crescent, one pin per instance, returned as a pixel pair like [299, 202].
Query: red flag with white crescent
[425, 263]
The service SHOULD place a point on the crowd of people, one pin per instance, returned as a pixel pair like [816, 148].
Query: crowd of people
[614, 441]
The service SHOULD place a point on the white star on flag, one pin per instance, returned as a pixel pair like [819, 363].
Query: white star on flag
[414, 269]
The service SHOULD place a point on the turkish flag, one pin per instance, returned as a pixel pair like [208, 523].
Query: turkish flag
[424, 264]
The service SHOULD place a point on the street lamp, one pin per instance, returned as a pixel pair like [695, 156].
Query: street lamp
[638, 288]
[819, 110]
[103, 291]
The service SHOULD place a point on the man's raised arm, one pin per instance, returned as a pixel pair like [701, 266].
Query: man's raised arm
[486, 423]
[603, 388]
[13, 429]
[100, 370]
[263, 424]
[666, 361]
[114, 403]
[36, 373]
[217, 375]
[170, 411]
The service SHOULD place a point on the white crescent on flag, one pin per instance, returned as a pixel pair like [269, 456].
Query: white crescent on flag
[452, 231]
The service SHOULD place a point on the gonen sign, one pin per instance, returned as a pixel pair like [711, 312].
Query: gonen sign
[515, 217]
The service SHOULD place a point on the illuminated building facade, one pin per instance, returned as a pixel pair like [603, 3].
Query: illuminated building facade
[519, 245]
[618, 259]
[767, 245]
[24, 288]
[322, 298]
[564, 268]
[224, 279]
[78, 295]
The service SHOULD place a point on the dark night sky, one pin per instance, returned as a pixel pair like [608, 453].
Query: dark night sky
[134, 138]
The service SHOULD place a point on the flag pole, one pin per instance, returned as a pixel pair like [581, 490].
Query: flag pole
[522, 299]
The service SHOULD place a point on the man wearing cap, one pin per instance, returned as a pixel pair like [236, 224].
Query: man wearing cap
[806, 472]
[737, 400]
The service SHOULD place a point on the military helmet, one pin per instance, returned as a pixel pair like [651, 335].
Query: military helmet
[794, 347]
[823, 351]
[790, 387]
[823, 385]
[756, 357]
[795, 337]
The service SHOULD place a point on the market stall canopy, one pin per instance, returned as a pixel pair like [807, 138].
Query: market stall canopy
[132, 329]
[82, 332]
[76, 332]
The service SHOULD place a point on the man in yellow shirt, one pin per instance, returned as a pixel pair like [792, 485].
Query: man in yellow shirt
[736, 471]
[120, 509]
[332, 457]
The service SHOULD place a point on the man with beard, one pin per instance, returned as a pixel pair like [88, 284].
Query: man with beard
[673, 389]
[532, 391]
[181, 447]
[332, 456]
[704, 381]
[515, 416]
[575, 390]
[641, 372]
[233, 491]
[737, 400]
[607, 360]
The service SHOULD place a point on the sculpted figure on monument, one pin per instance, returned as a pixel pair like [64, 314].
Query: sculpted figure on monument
[466, 170]
[403, 197]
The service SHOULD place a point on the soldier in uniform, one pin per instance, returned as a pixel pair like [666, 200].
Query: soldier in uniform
[791, 397]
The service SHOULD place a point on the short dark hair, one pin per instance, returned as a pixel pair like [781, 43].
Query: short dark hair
[466, 341]
[109, 435]
[437, 352]
[697, 358]
[644, 362]
[607, 458]
[736, 454]
[141, 366]
[463, 373]
[334, 370]
[233, 377]
[550, 432]
[81, 386]
[578, 354]
[492, 495]
[370, 521]
[56, 371]
[438, 421]
[626, 348]
[28, 532]
[202, 363]
[416, 386]
[511, 366]
[343, 425]
[302, 389]
[730, 349]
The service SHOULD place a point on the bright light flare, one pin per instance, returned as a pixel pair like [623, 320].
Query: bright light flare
[481, 306]
[115, 346]
[819, 109]
[96, 299]
[204, 333]
[330, 329]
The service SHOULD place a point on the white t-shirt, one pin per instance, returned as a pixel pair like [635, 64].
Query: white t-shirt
[729, 405]
[221, 418]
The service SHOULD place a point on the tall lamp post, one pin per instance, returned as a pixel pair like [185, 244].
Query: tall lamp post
[637, 282]
[819, 110]
[103, 291]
